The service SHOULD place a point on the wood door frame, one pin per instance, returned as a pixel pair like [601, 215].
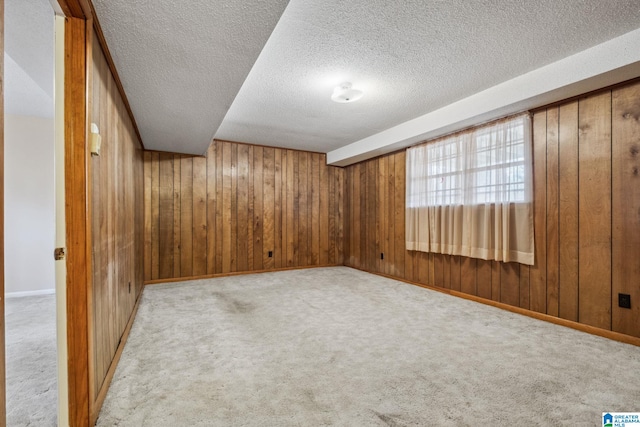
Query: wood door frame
[77, 210]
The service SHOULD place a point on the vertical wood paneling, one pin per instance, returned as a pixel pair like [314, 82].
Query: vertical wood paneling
[199, 216]
[568, 212]
[155, 213]
[268, 208]
[122, 227]
[399, 209]
[595, 211]
[177, 211]
[626, 207]
[552, 211]
[586, 158]
[538, 272]
[245, 222]
[186, 215]
[277, 209]
[225, 212]
[468, 283]
[166, 216]
[323, 222]
[211, 211]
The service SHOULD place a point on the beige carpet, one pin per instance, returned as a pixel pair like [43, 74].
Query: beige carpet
[32, 393]
[336, 346]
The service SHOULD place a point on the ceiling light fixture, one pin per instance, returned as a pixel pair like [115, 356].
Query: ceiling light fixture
[344, 93]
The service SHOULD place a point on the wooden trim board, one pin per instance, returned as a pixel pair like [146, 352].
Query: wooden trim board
[237, 273]
[616, 336]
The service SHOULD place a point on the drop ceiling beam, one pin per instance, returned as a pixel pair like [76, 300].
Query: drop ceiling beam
[603, 65]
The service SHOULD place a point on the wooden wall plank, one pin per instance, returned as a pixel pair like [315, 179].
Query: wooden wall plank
[291, 209]
[258, 207]
[568, 212]
[186, 216]
[510, 283]
[226, 207]
[324, 213]
[316, 159]
[538, 272]
[595, 211]
[339, 215]
[220, 207]
[155, 215]
[399, 214]
[277, 210]
[484, 278]
[199, 216]
[553, 173]
[177, 211]
[496, 287]
[468, 277]
[456, 274]
[244, 221]
[269, 190]
[249, 206]
[211, 208]
[165, 228]
[147, 216]
[626, 207]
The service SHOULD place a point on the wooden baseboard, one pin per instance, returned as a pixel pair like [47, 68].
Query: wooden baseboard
[235, 273]
[102, 394]
[616, 336]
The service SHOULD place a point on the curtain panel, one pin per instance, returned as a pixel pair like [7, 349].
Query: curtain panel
[471, 193]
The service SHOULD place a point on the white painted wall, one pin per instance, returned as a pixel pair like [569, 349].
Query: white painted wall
[29, 205]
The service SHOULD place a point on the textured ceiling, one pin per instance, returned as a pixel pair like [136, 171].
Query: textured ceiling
[182, 63]
[409, 58]
[29, 54]
[183, 66]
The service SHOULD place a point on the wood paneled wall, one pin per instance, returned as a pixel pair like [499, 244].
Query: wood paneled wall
[225, 212]
[587, 219]
[117, 220]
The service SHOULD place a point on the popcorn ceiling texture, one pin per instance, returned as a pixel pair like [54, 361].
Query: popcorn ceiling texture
[183, 65]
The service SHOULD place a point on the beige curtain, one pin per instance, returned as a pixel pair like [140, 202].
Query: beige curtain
[470, 194]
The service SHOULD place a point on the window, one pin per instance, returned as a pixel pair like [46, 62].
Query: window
[469, 190]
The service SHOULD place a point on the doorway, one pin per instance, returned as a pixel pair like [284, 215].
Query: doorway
[31, 350]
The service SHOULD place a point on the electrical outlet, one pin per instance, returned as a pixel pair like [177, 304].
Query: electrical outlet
[381, 255]
[270, 254]
[624, 300]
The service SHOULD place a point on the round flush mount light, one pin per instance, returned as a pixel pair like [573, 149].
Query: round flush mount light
[344, 93]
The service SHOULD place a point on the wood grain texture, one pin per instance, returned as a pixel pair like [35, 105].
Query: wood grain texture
[586, 162]
[568, 212]
[553, 174]
[78, 225]
[538, 272]
[626, 207]
[594, 126]
[237, 205]
[121, 230]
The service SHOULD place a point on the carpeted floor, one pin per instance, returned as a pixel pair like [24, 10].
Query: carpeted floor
[336, 346]
[31, 361]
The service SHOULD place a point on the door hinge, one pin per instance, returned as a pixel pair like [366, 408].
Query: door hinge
[58, 254]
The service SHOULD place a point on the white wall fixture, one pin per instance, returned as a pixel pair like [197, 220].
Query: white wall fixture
[96, 140]
[345, 92]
